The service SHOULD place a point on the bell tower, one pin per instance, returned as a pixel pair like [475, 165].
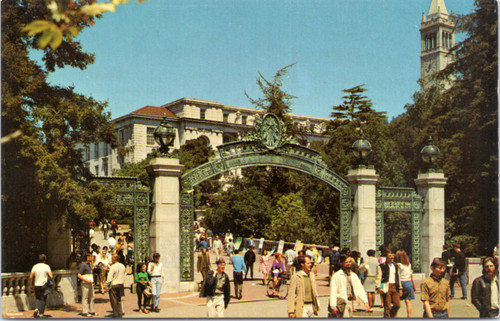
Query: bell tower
[437, 34]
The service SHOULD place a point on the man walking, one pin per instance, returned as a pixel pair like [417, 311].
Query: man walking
[345, 288]
[203, 263]
[40, 274]
[458, 271]
[87, 285]
[303, 294]
[435, 292]
[484, 292]
[333, 256]
[238, 268]
[116, 278]
[290, 256]
[217, 246]
[249, 242]
[389, 286]
[446, 257]
[217, 290]
[249, 261]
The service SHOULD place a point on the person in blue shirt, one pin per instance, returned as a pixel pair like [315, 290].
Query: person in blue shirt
[238, 268]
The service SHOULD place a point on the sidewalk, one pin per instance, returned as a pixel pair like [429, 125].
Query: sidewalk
[254, 304]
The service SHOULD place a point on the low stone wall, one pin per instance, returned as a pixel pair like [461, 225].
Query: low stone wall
[17, 296]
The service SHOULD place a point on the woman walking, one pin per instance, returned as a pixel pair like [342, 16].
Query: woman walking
[371, 264]
[155, 269]
[265, 265]
[143, 281]
[405, 274]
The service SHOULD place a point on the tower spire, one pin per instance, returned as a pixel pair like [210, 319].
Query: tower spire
[437, 9]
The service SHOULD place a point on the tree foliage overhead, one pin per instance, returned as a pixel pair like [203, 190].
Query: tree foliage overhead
[42, 171]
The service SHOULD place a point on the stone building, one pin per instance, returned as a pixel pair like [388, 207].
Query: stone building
[192, 118]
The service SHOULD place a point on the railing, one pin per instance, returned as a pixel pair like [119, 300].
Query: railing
[17, 295]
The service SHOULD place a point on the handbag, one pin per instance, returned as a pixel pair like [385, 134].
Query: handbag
[147, 292]
[341, 303]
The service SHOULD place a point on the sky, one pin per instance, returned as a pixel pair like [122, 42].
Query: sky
[157, 51]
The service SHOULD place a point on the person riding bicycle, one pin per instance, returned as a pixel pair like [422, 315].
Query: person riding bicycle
[277, 268]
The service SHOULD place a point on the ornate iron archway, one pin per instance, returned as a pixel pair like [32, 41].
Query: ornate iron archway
[394, 199]
[267, 144]
[129, 192]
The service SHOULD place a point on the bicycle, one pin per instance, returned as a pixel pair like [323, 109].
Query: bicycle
[282, 285]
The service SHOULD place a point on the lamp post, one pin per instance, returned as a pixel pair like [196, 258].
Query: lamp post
[164, 135]
[361, 148]
[430, 153]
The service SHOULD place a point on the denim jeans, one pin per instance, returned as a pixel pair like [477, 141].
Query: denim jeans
[156, 290]
[437, 314]
[41, 298]
[461, 277]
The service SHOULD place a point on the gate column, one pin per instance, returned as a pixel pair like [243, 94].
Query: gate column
[164, 236]
[363, 228]
[431, 187]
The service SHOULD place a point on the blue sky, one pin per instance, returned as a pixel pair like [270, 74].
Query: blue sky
[157, 51]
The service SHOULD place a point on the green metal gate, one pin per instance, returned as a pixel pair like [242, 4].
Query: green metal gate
[129, 192]
[396, 199]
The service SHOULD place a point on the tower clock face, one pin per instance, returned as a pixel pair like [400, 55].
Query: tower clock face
[430, 67]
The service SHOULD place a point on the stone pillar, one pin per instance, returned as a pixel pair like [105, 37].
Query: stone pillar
[431, 187]
[58, 244]
[164, 225]
[363, 229]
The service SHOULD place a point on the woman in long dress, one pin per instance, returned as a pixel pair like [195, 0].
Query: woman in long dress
[265, 265]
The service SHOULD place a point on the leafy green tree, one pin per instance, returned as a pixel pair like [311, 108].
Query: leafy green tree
[290, 220]
[43, 176]
[356, 107]
[245, 211]
[463, 120]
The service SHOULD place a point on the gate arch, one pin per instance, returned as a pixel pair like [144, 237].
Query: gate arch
[266, 145]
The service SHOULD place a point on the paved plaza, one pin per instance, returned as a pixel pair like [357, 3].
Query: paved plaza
[254, 304]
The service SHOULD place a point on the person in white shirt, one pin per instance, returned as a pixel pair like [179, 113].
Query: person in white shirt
[112, 243]
[40, 273]
[290, 256]
[103, 262]
[388, 285]
[345, 288]
[155, 269]
[217, 246]
[116, 278]
[405, 274]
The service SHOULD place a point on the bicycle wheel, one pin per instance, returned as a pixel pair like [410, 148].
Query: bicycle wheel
[283, 290]
[269, 288]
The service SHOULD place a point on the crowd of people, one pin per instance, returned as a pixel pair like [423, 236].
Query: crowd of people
[352, 278]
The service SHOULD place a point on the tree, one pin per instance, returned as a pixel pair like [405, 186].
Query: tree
[463, 120]
[290, 220]
[43, 177]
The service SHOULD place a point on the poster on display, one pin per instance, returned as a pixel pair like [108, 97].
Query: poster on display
[281, 246]
[298, 246]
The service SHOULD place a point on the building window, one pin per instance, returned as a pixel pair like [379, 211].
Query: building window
[244, 120]
[87, 153]
[121, 136]
[225, 118]
[150, 140]
[203, 113]
[105, 166]
[96, 150]
[96, 168]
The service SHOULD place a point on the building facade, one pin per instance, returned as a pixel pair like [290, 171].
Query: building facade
[437, 37]
[192, 118]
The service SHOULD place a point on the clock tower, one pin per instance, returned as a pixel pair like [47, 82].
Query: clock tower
[437, 34]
